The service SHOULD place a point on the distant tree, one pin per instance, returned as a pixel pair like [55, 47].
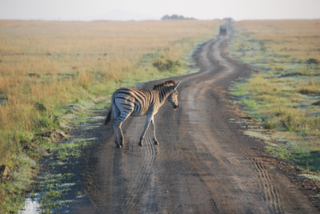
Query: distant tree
[165, 17]
[176, 17]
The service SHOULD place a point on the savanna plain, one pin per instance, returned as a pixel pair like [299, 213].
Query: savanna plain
[47, 66]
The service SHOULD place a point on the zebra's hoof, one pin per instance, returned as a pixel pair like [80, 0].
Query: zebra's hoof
[156, 142]
[119, 146]
[140, 144]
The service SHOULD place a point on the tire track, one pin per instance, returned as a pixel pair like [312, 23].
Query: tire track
[143, 176]
[271, 192]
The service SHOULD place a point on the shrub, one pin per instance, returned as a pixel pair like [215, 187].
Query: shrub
[40, 106]
[312, 61]
[165, 64]
[288, 123]
[269, 124]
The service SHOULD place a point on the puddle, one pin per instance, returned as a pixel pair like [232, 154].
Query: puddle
[90, 119]
[66, 185]
[80, 196]
[91, 127]
[58, 163]
[30, 207]
[84, 139]
[193, 71]
[313, 177]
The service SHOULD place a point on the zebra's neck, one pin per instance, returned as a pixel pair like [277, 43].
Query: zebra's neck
[164, 93]
[159, 87]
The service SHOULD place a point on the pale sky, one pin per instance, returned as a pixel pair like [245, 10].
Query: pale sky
[155, 9]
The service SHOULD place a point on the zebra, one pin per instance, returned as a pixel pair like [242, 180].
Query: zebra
[127, 102]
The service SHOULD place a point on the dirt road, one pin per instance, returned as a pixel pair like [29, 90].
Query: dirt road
[204, 164]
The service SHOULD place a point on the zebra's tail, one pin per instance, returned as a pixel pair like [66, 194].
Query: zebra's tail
[109, 116]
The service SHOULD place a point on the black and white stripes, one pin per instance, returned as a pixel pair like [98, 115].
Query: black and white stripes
[127, 102]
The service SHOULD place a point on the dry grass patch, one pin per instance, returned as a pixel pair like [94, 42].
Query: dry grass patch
[297, 38]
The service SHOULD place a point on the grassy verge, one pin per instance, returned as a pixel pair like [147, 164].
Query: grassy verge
[284, 92]
[54, 186]
[48, 70]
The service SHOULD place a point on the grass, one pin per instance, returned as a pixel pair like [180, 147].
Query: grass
[286, 84]
[46, 66]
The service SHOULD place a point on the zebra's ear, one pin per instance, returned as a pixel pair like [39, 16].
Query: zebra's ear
[176, 85]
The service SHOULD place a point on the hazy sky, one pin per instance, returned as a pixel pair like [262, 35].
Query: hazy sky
[200, 9]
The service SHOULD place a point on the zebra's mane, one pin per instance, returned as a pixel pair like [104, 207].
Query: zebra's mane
[164, 84]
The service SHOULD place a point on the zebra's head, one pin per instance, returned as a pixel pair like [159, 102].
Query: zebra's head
[173, 97]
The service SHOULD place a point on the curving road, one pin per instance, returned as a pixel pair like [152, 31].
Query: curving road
[204, 164]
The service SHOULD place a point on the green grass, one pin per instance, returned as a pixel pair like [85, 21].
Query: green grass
[279, 152]
[52, 198]
[282, 93]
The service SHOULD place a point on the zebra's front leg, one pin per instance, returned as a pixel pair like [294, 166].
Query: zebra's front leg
[154, 132]
[146, 126]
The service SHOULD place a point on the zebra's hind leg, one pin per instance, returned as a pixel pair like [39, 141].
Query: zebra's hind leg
[116, 114]
[123, 116]
[115, 129]
[121, 136]
[154, 132]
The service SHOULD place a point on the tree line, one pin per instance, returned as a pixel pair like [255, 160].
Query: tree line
[175, 17]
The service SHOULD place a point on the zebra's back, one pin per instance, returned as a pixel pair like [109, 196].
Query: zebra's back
[133, 100]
